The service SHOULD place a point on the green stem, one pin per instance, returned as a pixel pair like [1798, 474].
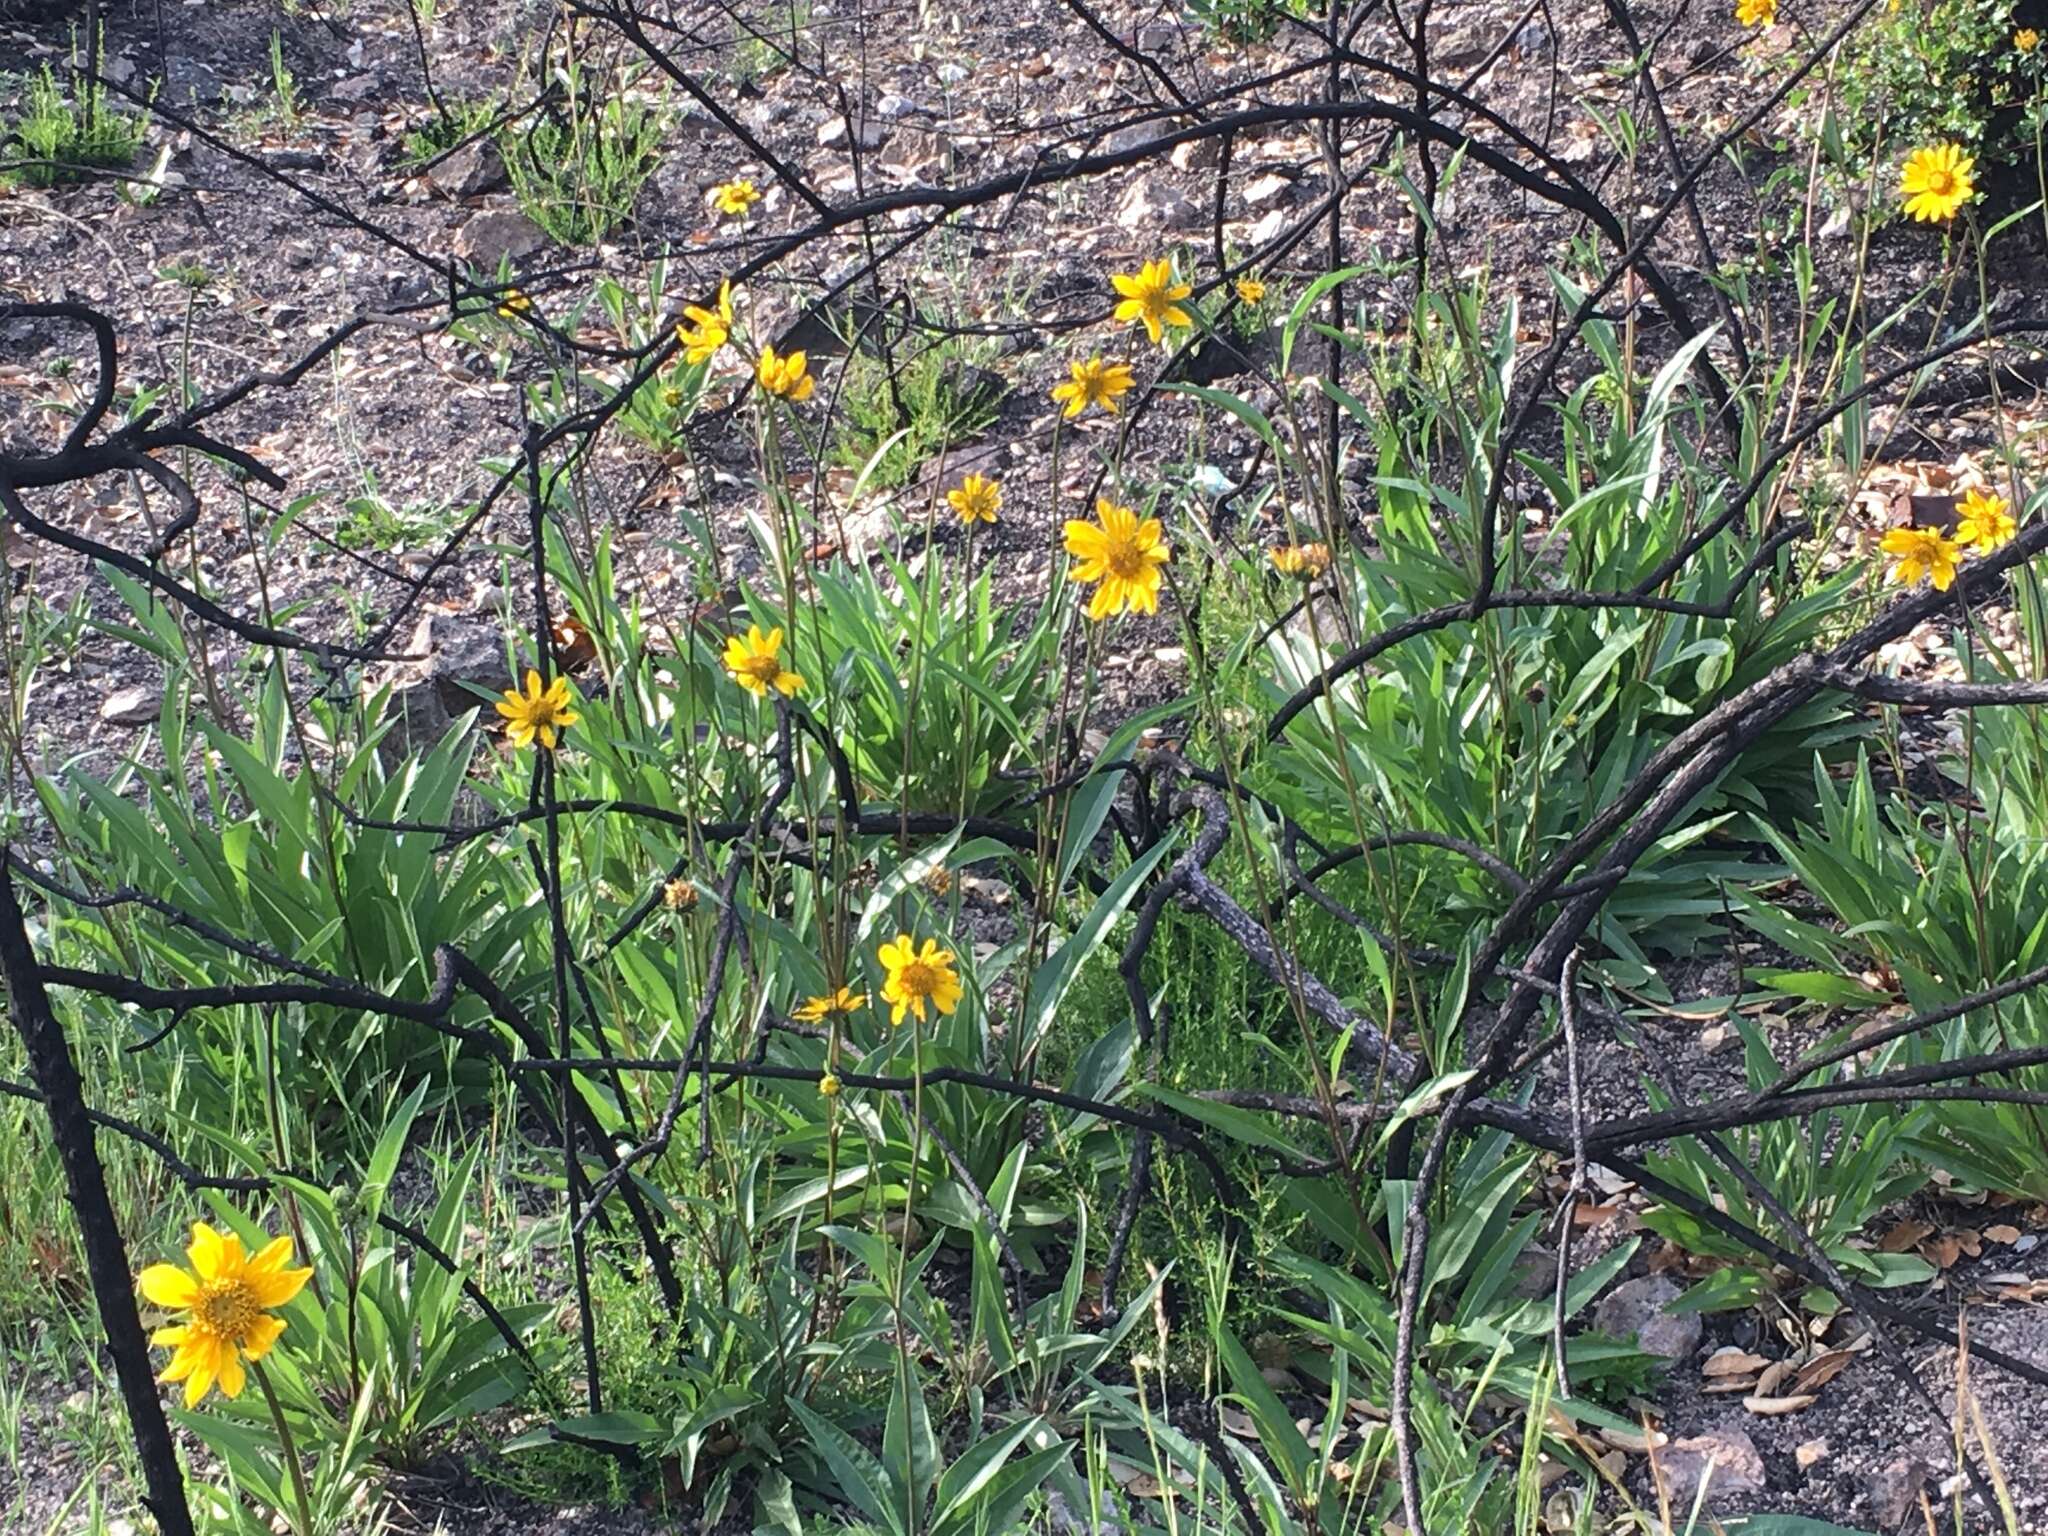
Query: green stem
[287, 1447]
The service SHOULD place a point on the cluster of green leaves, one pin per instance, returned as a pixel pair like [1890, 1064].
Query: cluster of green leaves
[62, 136]
[901, 408]
[1945, 72]
[578, 164]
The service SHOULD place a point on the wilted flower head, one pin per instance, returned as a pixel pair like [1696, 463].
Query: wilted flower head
[815, 1010]
[785, 377]
[1094, 382]
[708, 329]
[1304, 562]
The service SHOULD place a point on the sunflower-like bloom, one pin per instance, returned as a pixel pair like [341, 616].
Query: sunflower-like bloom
[541, 712]
[787, 377]
[226, 1297]
[1936, 182]
[975, 499]
[2026, 39]
[815, 1010]
[1151, 298]
[755, 662]
[679, 895]
[1093, 383]
[1122, 553]
[1304, 562]
[917, 977]
[1984, 521]
[1921, 552]
[1756, 13]
[514, 303]
[733, 198]
[828, 1085]
[708, 329]
[1250, 290]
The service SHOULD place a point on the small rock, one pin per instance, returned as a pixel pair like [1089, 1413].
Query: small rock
[893, 107]
[1130, 137]
[1263, 189]
[1642, 1309]
[356, 88]
[295, 160]
[952, 74]
[470, 171]
[1894, 1491]
[138, 704]
[867, 133]
[1158, 37]
[1152, 204]
[1197, 155]
[1809, 1453]
[1725, 1460]
[497, 235]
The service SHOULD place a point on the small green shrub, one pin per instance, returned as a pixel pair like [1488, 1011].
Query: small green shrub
[62, 139]
[578, 168]
[936, 398]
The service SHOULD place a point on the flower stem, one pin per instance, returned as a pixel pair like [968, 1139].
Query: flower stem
[287, 1447]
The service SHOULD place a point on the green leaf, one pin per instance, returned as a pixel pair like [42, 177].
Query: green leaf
[864, 1481]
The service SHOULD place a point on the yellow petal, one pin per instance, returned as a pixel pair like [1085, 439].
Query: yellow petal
[263, 1333]
[275, 1289]
[166, 1285]
[207, 1251]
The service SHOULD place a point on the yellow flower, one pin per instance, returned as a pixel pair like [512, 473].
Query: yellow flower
[1984, 521]
[1250, 290]
[225, 1297]
[1756, 13]
[1093, 383]
[514, 304]
[542, 712]
[828, 1085]
[1936, 182]
[816, 1010]
[708, 329]
[735, 197]
[917, 977]
[1921, 552]
[671, 396]
[784, 376]
[1151, 297]
[975, 499]
[755, 662]
[679, 896]
[1304, 562]
[2026, 39]
[1124, 554]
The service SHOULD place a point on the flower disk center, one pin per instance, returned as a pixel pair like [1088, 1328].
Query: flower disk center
[917, 979]
[764, 669]
[225, 1309]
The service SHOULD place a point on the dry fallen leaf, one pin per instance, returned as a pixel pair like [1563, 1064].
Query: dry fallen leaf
[1904, 1236]
[1769, 1406]
[1732, 1362]
[1823, 1368]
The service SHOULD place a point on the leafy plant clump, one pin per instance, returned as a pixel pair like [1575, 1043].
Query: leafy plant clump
[63, 137]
